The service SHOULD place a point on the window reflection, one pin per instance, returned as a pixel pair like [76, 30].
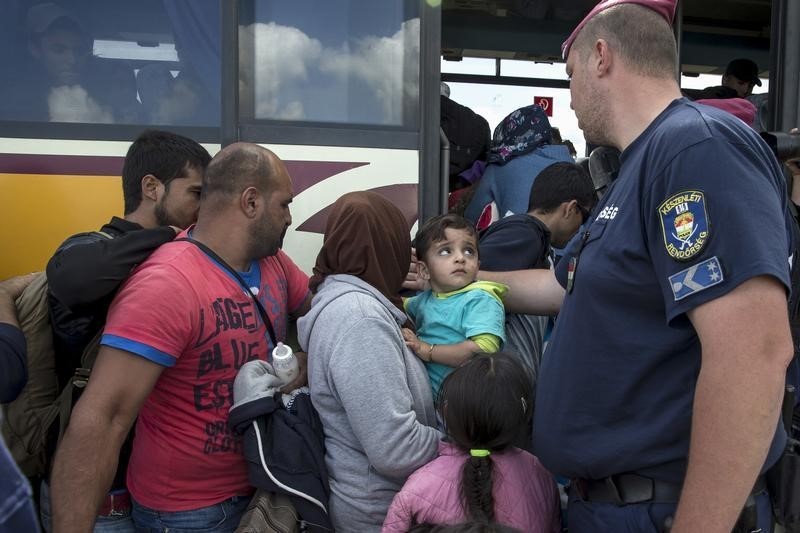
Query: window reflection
[110, 61]
[345, 61]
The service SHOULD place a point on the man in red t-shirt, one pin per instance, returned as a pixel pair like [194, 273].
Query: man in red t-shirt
[177, 332]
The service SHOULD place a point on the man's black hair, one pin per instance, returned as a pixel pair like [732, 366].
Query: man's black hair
[559, 183]
[163, 154]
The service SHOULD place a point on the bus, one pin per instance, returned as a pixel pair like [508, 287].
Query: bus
[347, 92]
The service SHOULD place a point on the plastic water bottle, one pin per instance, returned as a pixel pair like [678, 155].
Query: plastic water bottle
[285, 363]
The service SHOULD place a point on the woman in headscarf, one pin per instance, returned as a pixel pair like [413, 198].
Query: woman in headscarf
[522, 146]
[371, 392]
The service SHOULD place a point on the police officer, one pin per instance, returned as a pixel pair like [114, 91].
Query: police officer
[660, 392]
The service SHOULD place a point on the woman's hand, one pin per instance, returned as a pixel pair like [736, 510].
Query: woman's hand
[11, 288]
[414, 281]
[302, 375]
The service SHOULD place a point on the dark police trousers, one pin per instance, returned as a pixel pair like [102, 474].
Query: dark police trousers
[602, 517]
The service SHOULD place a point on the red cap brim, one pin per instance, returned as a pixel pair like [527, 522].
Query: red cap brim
[665, 8]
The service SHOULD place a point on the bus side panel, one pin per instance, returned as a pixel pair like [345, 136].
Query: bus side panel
[390, 171]
[38, 212]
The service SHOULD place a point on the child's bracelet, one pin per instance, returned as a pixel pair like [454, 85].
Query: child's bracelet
[430, 352]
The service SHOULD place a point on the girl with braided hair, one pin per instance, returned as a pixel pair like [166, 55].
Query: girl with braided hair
[479, 475]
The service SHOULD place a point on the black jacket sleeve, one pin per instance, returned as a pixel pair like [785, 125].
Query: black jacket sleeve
[89, 267]
[13, 362]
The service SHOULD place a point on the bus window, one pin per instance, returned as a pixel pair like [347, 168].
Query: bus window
[113, 62]
[339, 61]
[469, 65]
[495, 102]
[532, 69]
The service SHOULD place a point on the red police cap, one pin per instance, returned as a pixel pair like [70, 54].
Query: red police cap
[665, 8]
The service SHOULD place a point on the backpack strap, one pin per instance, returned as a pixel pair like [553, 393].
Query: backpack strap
[80, 378]
[213, 255]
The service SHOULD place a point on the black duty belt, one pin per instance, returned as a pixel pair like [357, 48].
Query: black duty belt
[624, 489]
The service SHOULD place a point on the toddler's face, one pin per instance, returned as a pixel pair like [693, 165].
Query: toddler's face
[452, 263]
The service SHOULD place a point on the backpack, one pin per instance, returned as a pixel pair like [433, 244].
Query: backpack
[270, 512]
[467, 132]
[28, 421]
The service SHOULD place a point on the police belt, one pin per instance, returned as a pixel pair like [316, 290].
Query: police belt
[624, 489]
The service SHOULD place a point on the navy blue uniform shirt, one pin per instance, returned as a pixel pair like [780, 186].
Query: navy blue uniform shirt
[699, 207]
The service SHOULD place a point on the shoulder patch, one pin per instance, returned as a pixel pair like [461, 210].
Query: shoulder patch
[684, 224]
[696, 278]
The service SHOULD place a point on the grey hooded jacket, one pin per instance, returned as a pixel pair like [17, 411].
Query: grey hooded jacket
[372, 395]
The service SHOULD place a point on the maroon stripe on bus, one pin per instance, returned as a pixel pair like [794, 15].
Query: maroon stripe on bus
[307, 173]
[304, 173]
[403, 195]
[80, 165]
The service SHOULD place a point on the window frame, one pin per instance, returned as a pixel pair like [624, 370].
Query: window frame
[84, 131]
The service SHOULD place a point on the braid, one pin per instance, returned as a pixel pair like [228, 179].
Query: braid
[476, 489]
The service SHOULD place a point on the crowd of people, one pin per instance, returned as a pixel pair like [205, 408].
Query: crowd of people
[628, 352]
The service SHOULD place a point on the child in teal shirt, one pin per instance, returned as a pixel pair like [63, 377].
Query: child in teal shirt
[457, 316]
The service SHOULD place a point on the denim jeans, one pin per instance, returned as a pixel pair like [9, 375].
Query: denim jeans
[103, 524]
[16, 506]
[222, 517]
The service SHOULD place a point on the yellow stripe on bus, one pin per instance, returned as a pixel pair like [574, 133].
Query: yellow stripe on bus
[38, 212]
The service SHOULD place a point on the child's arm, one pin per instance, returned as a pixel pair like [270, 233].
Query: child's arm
[450, 354]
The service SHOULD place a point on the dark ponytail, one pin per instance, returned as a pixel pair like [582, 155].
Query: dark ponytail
[476, 489]
[485, 403]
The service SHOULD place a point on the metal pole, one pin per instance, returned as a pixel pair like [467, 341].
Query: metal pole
[229, 110]
[430, 186]
[787, 117]
[444, 157]
[677, 27]
[784, 78]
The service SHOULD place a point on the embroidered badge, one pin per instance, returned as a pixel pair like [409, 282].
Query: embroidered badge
[696, 278]
[684, 223]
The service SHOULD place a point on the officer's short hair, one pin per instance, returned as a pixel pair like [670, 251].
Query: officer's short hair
[640, 35]
[559, 183]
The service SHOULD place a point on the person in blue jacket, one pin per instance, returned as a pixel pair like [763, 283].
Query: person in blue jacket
[659, 394]
[16, 506]
[521, 148]
[13, 348]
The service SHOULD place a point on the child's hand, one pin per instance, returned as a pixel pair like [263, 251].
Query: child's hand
[412, 341]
